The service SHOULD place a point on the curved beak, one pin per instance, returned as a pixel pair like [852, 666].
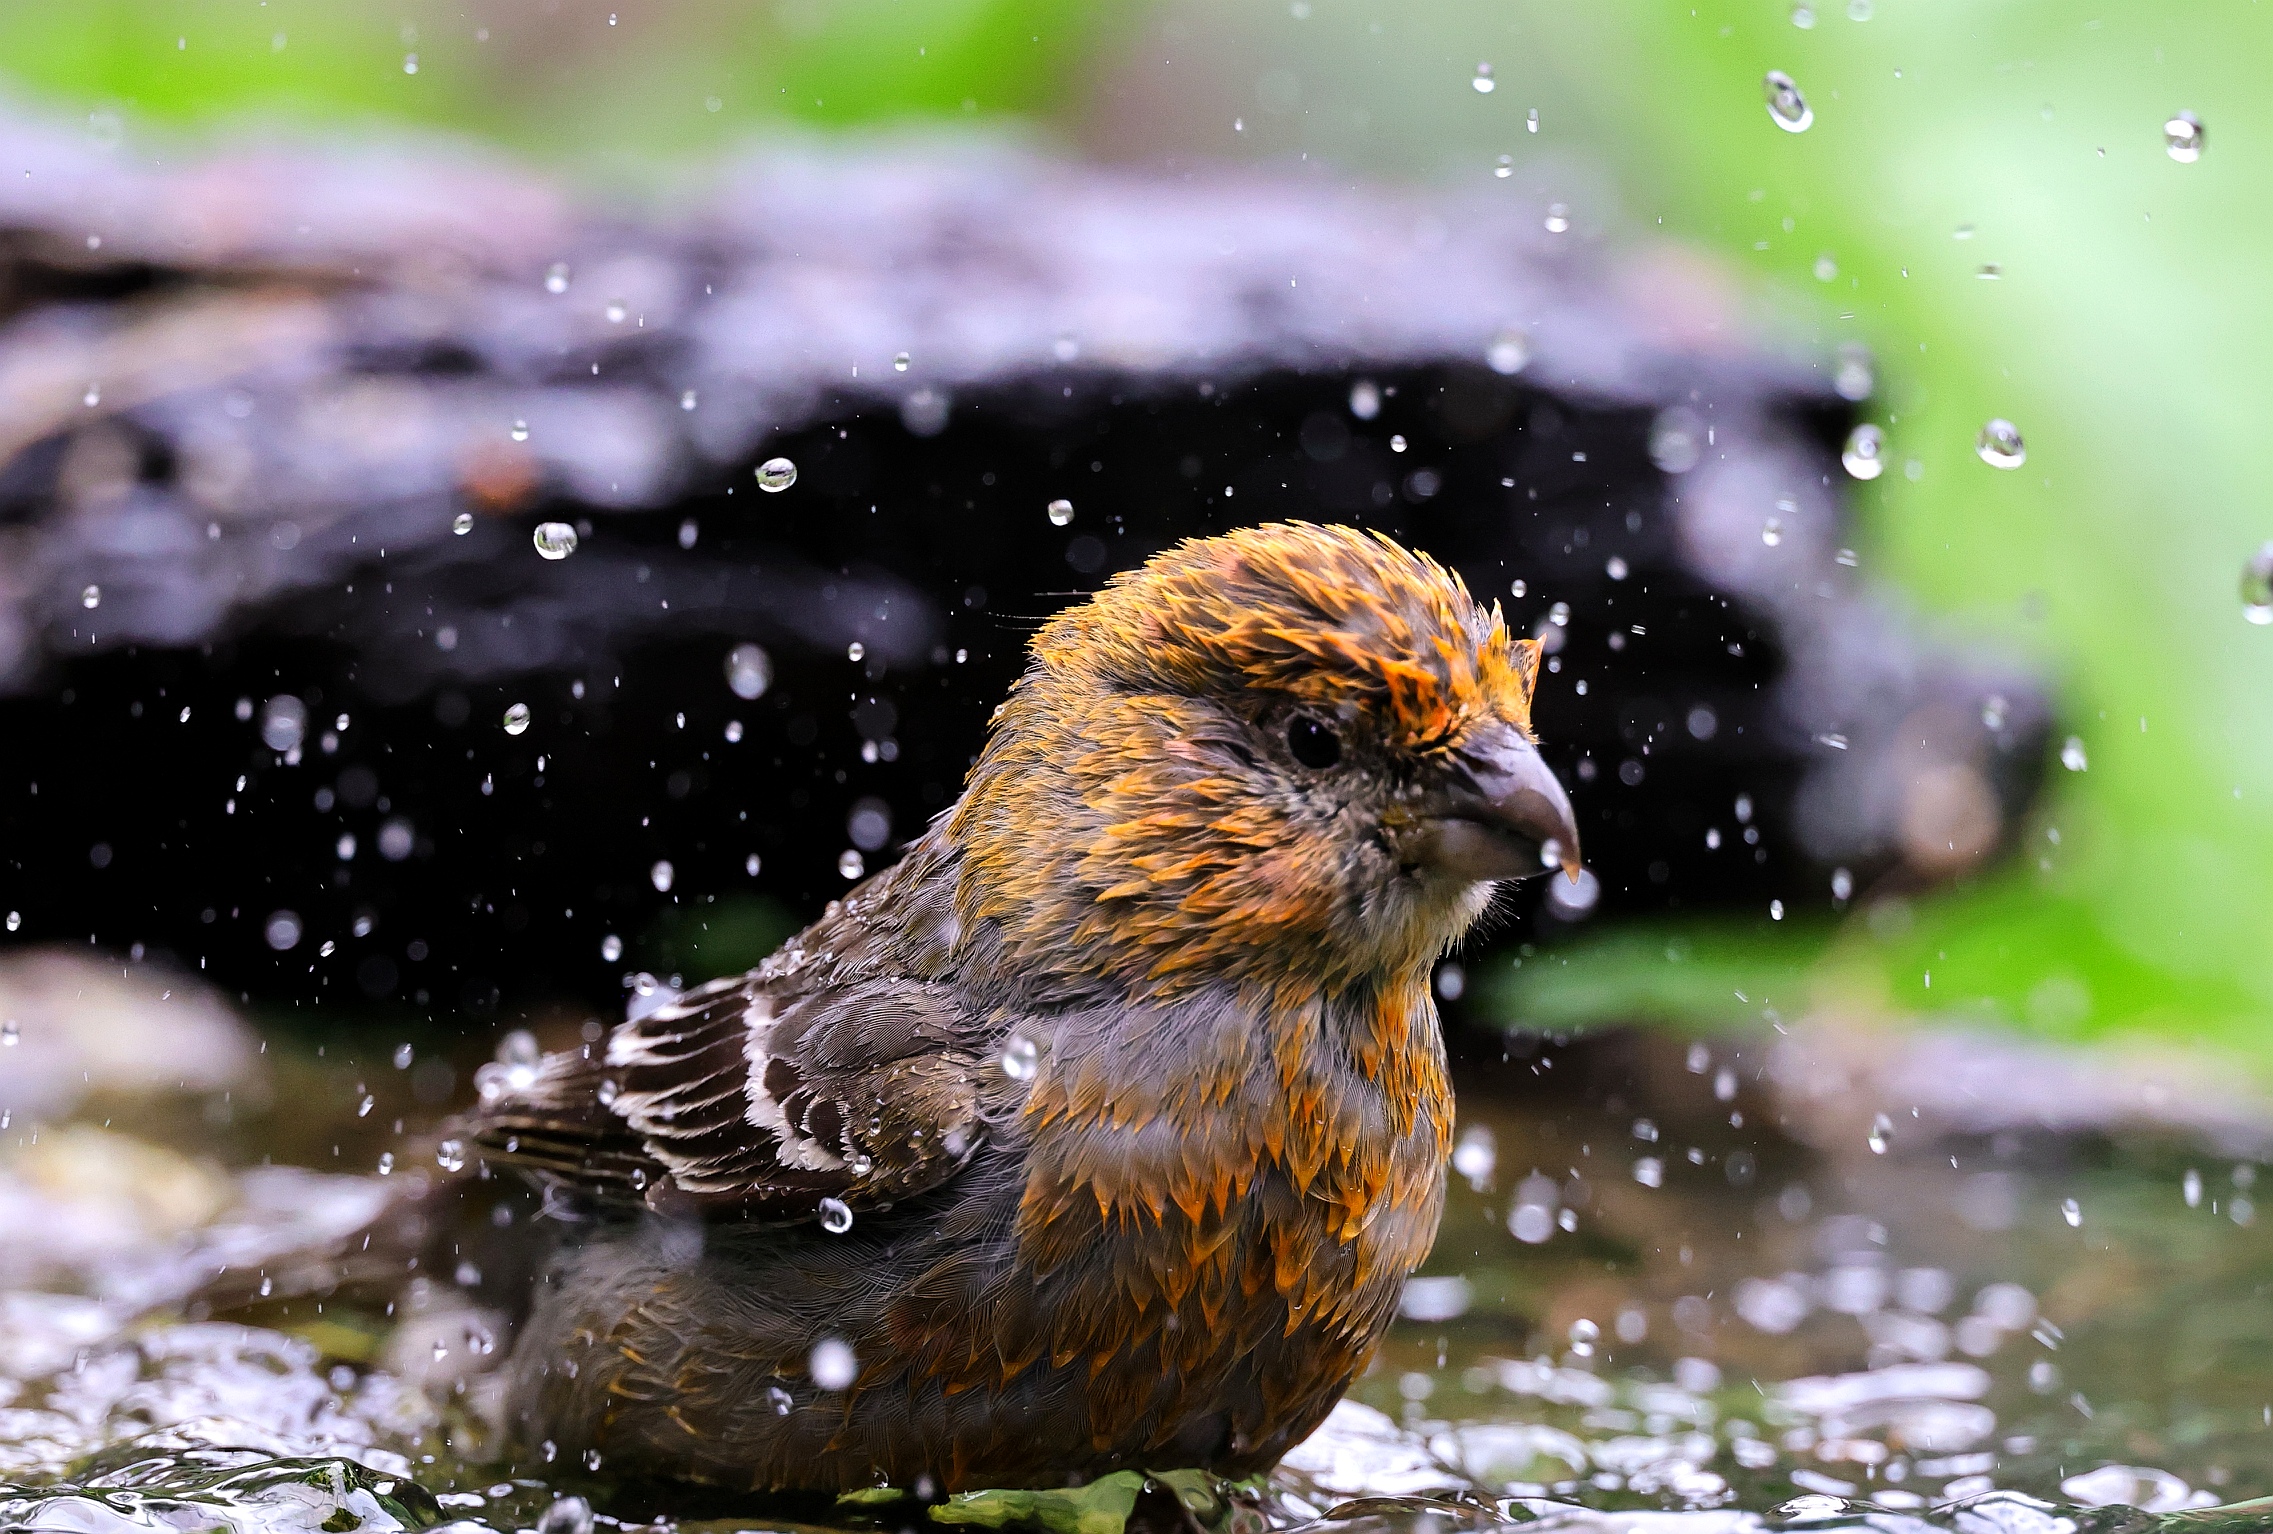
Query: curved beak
[1502, 815]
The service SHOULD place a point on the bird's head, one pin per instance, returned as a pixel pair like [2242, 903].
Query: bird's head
[1288, 750]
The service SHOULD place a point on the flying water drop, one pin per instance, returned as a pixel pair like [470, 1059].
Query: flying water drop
[1999, 444]
[554, 540]
[851, 864]
[776, 475]
[832, 1363]
[1061, 512]
[1020, 1058]
[749, 671]
[1510, 351]
[517, 719]
[1881, 1133]
[1786, 106]
[1483, 81]
[1865, 452]
[462, 523]
[2182, 136]
[661, 875]
[2072, 1212]
[2072, 754]
[836, 1216]
[611, 948]
[92, 597]
[556, 278]
[2257, 587]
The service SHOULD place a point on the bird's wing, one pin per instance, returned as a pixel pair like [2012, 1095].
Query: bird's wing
[754, 1097]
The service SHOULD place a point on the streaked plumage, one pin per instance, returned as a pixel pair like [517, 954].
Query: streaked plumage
[1127, 1073]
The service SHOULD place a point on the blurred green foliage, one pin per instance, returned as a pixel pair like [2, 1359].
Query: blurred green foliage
[2125, 329]
[610, 83]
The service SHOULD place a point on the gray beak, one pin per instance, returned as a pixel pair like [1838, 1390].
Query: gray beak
[1503, 815]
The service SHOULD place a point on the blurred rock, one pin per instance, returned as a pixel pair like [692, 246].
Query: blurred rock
[74, 1026]
[249, 396]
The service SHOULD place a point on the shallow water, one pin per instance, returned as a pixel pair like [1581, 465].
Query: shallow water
[1680, 1287]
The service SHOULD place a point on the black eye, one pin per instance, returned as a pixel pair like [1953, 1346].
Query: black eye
[1313, 742]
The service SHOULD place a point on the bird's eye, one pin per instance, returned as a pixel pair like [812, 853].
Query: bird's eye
[1313, 741]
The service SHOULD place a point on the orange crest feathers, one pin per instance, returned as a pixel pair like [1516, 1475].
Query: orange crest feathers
[1329, 616]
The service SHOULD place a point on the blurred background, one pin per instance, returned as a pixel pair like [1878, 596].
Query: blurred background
[1985, 198]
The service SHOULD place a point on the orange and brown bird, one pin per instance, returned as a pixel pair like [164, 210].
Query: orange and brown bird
[1102, 1130]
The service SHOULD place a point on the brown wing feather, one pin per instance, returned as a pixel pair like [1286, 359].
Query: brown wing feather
[756, 1097]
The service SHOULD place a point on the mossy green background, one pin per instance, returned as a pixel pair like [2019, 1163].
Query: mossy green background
[2129, 331]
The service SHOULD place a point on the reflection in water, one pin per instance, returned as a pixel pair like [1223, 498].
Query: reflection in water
[1674, 1291]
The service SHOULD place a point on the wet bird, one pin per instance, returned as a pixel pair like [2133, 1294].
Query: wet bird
[1103, 1129]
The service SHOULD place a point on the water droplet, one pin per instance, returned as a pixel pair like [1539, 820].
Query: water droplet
[661, 874]
[555, 540]
[776, 475]
[2072, 1212]
[462, 523]
[749, 671]
[856, 651]
[1484, 82]
[1999, 444]
[1865, 452]
[836, 1216]
[2257, 587]
[1615, 568]
[1365, 399]
[282, 931]
[2182, 136]
[91, 597]
[616, 311]
[1677, 440]
[1476, 1156]
[690, 531]
[1510, 350]
[1505, 168]
[851, 864]
[567, 1515]
[779, 1400]
[386, 1163]
[517, 719]
[1649, 1172]
[1855, 377]
[1397, 442]
[900, 363]
[832, 1363]
[1531, 121]
[750, 865]
[10, 1032]
[1772, 531]
[556, 277]
[1020, 1059]
[1558, 218]
[363, 1108]
[1881, 1133]
[687, 400]
[15, 920]
[1803, 17]
[93, 396]
[1775, 910]
[2190, 1185]
[1786, 105]
[520, 431]
[2072, 754]
[611, 948]
[410, 63]
[1842, 884]
[1584, 1334]
[1826, 267]
[1061, 512]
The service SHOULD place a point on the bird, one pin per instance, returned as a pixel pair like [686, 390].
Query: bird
[1101, 1130]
